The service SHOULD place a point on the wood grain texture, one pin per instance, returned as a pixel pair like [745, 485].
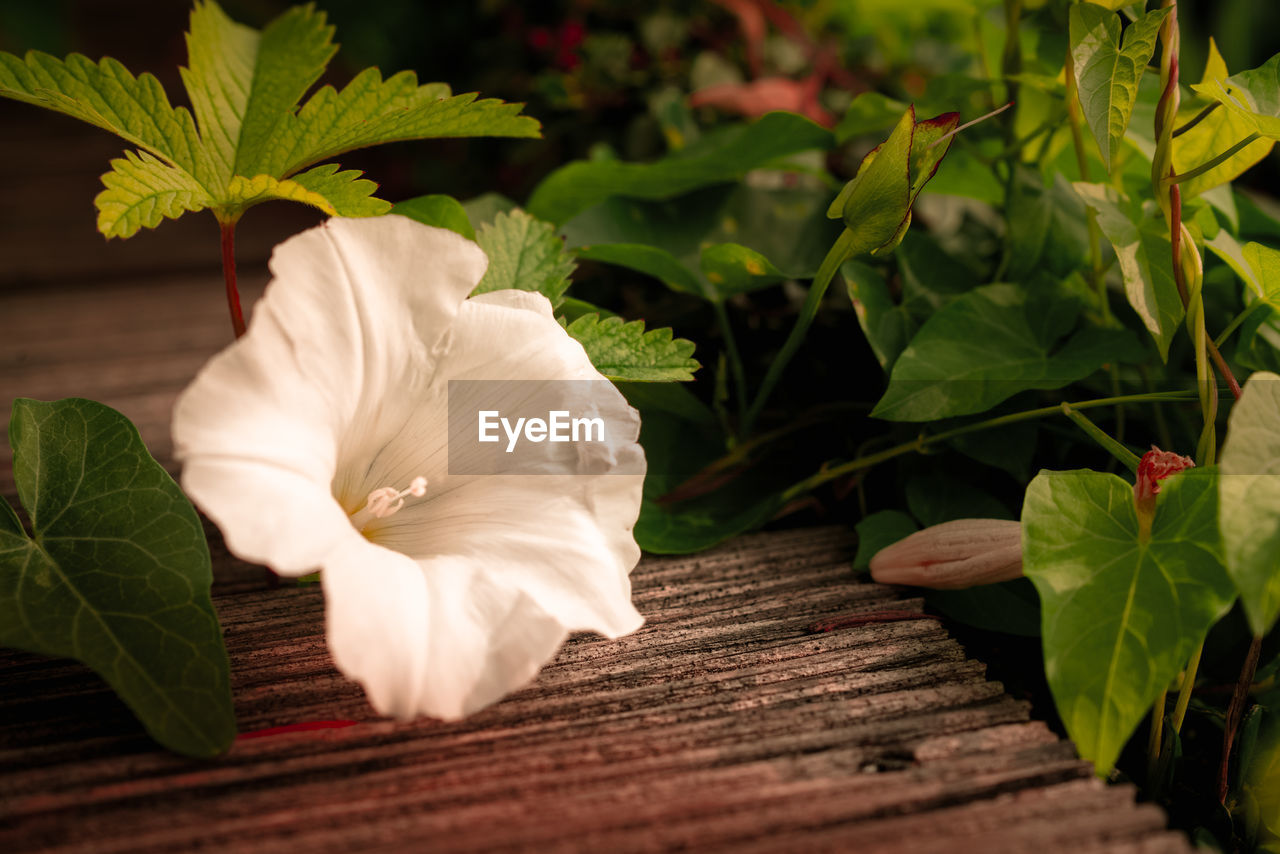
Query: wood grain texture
[730, 722]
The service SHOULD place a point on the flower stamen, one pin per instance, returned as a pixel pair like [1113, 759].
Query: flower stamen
[386, 501]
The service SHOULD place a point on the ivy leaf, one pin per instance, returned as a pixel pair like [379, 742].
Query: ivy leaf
[1121, 616]
[1213, 134]
[116, 573]
[673, 240]
[439, 210]
[1108, 73]
[525, 254]
[1249, 491]
[1047, 230]
[1142, 249]
[625, 351]
[1253, 95]
[714, 159]
[253, 140]
[991, 343]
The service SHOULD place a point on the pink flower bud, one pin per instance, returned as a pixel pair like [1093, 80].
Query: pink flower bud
[1154, 467]
[961, 553]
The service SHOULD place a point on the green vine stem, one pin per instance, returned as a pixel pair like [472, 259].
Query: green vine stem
[1216, 160]
[228, 230]
[735, 361]
[923, 441]
[840, 252]
[1196, 119]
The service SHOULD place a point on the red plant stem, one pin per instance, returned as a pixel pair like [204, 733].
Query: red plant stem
[1235, 714]
[1175, 238]
[305, 726]
[229, 274]
[867, 618]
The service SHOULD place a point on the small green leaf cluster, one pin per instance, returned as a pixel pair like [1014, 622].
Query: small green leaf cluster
[247, 139]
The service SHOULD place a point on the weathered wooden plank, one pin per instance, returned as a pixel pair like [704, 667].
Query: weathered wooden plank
[731, 721]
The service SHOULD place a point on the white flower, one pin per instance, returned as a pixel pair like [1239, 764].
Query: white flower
[318, 441]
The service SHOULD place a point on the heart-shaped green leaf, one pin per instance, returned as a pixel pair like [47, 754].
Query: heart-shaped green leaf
[991, 343]
[1250, 499]
[115, 573]
[1122, 615]
[1145, 257]
[1212, 135]
[1107, 72]
[1253, 95]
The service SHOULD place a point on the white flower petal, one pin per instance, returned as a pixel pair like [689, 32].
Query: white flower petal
[347, 327]
[439, 638]
[566, 540]
[377, 612]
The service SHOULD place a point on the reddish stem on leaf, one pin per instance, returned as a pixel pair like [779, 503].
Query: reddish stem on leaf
[229, 274]
[1235, 714]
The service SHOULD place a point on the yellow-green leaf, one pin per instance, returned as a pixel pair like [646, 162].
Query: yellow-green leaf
[1214, 134]
[1108, 72]
[141, 191]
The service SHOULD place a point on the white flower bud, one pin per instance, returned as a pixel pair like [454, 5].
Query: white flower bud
[956, 554]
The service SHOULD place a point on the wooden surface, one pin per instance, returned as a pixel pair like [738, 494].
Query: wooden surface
[731, 721]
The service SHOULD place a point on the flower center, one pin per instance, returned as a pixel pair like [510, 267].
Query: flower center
[386, 501]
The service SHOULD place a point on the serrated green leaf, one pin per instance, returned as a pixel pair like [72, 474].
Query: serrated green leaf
[526, 254]
[714, 160]
[484, 208]
[141, 191]
[253, 141]
[371, 111]
[1145, 256]
[1212, 135]
[1107, 72]
[991, 343]
[241, 82]
[879, 530]
[117, 571]
[105, 94]
[439, 210]
[1253, 95]
[1121, 615]
[625, 351]
[346, 192]
[1250, 499]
